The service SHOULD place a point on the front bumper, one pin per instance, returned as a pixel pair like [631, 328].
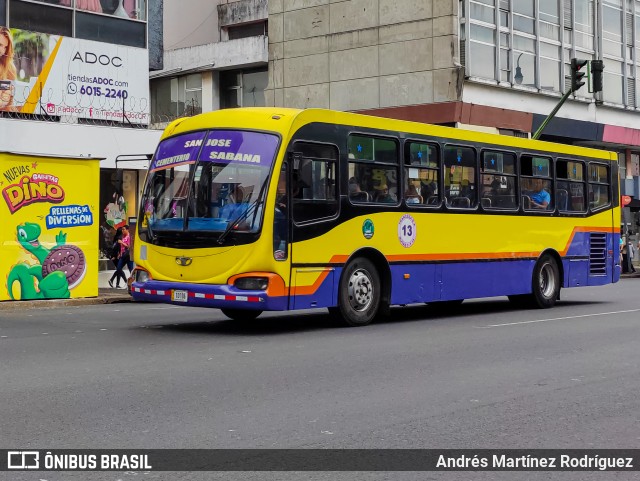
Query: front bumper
[218, 296]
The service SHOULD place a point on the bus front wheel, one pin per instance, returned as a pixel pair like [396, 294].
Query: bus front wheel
[359, 294]
[241, 314]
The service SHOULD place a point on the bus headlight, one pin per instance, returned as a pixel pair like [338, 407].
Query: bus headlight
[142, 276]
[252, 283]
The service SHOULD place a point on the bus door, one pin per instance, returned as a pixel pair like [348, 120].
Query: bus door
[314, 207]
[282, 229]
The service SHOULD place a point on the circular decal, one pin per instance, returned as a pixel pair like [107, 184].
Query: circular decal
[407, 230]
[368, 229]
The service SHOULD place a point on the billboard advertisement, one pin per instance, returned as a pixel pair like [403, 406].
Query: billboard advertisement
[61, 76]
[49, 238]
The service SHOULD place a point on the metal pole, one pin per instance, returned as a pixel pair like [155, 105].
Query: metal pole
[538, 133]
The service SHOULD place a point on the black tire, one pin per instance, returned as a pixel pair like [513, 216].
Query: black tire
[241, 314]
[360, 293]
[546, 282]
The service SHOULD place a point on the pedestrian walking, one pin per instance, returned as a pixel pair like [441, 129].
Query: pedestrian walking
[125, 254]
[115, 258]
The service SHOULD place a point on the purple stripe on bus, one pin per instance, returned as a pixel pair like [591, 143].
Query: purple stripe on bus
[178, 150]
[234, 146]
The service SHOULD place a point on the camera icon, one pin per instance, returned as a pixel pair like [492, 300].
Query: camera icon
[51, 108]
[23, 460]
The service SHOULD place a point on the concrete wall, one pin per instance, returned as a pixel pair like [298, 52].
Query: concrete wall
[188, 23]
[363, 54]
[239, 53]
[155, 33]
[242, 11]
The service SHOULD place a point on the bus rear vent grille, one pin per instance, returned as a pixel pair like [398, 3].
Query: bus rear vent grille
[598, 255]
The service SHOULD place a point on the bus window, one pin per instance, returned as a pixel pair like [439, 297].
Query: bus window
[498, 182]
[598, 186]
[373, 165]
[314, 175]
[570, 186]
[421, 173]
[536, 183]
[460, 177]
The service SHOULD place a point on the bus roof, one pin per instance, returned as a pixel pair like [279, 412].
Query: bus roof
[285, 120]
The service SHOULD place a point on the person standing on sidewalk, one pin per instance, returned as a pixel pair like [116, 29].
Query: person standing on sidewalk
[125, 254]
[115, 258]
[626, 248]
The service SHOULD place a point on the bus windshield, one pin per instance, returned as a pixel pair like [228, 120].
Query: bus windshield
[206, 181]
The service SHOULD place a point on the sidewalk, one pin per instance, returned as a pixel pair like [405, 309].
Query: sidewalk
[106, 295]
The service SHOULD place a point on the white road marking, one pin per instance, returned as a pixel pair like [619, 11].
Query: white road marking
[557, 319]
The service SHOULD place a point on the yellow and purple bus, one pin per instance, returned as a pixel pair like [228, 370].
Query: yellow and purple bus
[273, 209]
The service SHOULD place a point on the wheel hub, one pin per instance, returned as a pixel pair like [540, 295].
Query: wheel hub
[547, 281]
[360, 290]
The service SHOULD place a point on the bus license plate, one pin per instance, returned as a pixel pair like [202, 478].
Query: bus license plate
[179, 296]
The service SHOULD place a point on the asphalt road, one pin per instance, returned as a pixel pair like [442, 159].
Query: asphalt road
[483, 376]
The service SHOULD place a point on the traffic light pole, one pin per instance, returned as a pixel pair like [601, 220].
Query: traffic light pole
[564, 98]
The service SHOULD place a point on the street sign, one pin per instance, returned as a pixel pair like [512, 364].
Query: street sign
[625, 200]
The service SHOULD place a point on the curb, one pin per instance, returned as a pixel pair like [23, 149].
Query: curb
[57, 303]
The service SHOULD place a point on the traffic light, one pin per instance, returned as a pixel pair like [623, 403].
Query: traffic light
[577, 73]
[597, 67]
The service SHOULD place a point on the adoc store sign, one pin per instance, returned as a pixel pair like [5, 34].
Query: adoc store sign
[65, 76]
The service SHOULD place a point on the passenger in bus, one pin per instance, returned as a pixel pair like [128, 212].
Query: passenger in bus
[382, 195]
[540, 199]
[411, 195]
[355, 192]
[236, 205]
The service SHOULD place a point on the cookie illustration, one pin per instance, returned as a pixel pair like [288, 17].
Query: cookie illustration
[68, 259]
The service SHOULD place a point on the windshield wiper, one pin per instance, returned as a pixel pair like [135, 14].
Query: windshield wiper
[234, 223]
[242, 216]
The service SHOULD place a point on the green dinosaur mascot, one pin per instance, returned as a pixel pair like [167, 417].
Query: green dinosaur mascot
[32, 284]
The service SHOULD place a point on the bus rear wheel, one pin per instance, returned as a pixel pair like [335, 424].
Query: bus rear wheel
[545, 285]
[241, 314]
[359, 294]
[546, 282]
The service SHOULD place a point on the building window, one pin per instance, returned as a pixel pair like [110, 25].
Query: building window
[41, 18]
[483, 51]
[57, 18]
[176, 97]
[257, 29]
[110, 30]
[243, 88]
[129, 9]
